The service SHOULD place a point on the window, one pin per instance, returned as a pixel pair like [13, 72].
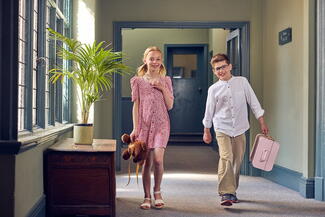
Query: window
[40, 103]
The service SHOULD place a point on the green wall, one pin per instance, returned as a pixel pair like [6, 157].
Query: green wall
[280, 75]
[219, 10]
[135, 41]
[29, 186]
[288, 81]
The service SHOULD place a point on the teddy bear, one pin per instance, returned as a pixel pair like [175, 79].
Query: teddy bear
[136, 149]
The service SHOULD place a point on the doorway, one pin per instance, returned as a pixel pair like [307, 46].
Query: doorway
[187, 66]
[119, 26]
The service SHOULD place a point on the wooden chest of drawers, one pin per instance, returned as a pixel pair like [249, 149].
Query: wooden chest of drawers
[80, 180]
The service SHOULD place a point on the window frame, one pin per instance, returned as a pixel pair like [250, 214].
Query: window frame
[50, 112]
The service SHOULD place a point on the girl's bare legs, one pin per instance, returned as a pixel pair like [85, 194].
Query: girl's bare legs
[146, 176]
[158, 162]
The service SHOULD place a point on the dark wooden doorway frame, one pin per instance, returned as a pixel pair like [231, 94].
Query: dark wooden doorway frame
[117, 44]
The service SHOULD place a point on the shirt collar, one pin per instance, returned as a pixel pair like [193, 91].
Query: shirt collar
[225, 82]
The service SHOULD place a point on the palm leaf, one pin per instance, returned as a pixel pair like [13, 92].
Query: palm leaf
[94, 66]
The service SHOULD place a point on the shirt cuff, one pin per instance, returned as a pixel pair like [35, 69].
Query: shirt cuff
[207, 124]
[259, 114]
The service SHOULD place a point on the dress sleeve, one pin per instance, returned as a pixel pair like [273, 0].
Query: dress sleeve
[170, 86]
[134, 88]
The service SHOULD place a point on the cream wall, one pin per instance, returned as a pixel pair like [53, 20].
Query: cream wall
[135, 41]
[281, 76]
[288, 81]
[108, 11]
[84, 31]
[218, 38]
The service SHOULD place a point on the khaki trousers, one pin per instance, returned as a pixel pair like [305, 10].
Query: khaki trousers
[231, 151]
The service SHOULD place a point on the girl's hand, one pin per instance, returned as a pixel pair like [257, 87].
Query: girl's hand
[133, 135]
[158, 85]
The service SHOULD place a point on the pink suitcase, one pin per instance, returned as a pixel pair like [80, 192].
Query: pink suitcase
[264, 152]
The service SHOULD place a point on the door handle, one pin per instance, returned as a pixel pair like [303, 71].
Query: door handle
[200, 89]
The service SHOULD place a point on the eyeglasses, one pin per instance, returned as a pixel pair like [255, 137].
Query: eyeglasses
[221, 67]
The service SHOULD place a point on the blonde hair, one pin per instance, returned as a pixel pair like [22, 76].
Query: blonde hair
[144, 68]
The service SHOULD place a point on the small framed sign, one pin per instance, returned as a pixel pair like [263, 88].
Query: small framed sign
[285, 36]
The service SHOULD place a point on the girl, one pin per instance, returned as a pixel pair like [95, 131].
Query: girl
[152, 97]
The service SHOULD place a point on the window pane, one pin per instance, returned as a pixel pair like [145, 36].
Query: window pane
[20, 119]
[34, 97]
[21, 26]
[22, 45]
[21, 64]
[34, 117]
[22, 8]
[60, 3]
[21, 101]
[21, 74]
[32, 77]
[65, 99]
[35, 59]
[35, 5]
[184, 65]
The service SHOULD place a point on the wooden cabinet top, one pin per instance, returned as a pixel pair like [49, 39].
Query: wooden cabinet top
[99, 145]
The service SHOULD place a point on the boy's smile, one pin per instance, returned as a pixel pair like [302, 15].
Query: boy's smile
[222, 70]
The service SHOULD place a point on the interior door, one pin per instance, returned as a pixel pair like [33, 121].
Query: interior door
[234, 51]
[235, 56]
[187, 66]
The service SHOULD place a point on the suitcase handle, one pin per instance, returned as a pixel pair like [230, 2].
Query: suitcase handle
[264, 155]
[266, 136]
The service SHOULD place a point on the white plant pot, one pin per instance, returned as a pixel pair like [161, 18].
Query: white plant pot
[83, 134]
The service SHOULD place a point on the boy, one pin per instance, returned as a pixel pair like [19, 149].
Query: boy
[226, 108]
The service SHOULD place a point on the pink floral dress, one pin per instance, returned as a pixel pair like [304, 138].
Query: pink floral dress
[153, 120]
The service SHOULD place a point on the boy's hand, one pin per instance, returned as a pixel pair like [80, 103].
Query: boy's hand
[207, 136]
[264, 128]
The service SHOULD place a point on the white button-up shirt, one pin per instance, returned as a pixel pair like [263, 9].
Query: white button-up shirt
[226, 106]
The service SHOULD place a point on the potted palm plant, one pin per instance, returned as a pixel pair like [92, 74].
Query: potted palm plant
[93, 66]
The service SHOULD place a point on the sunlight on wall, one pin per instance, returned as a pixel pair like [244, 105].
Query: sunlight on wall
[85, 21]
[84, 31]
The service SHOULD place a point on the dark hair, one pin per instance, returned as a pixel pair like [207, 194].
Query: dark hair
[219, 58]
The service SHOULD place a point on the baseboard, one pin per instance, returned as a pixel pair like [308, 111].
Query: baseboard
[306, 187]
[283, 176]
[319, 188]
[253, 171]
[291, 179]
[38, 210]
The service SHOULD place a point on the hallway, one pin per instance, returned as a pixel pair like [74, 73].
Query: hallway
[189, 189]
